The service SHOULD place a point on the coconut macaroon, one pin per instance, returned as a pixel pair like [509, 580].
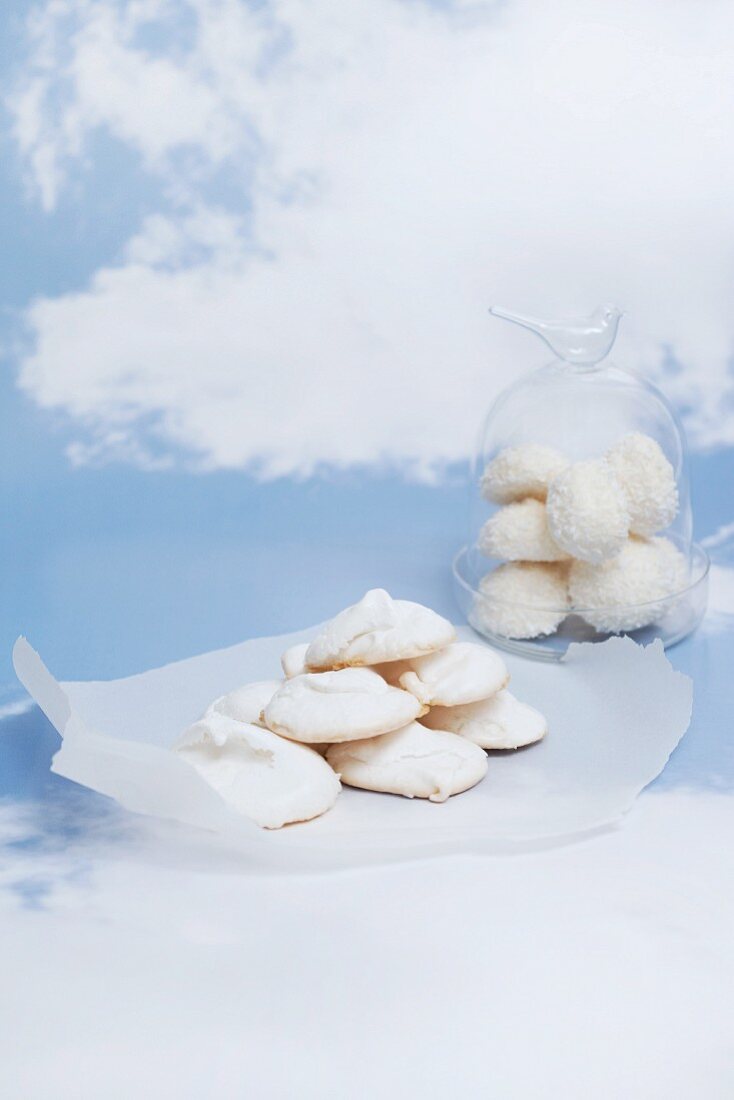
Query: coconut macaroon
[413, 761]
[247, 703]
[519, 472]
[502, 722]
[519, 532]
[258, 774]
[293, 661]
[461, 673]
[377, 629]
[624, 594]
[338, 706]
[648, 481]
[522, 599]
[587, 511]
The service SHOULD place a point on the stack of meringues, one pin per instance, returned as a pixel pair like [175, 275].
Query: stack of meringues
[383, 698]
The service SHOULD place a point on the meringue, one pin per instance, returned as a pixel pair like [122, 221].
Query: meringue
[587, 511]
[247, 703]
[258, 774]
[293, 661]
[648, 482]
[524, 471]
[461, 673]
[502, 722]
[519, 532]
[377, 629]
[413, 761]
[344, 705]
[645, 570]
[521, 599]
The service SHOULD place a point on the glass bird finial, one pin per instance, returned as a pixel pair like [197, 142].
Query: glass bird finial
[584, 340]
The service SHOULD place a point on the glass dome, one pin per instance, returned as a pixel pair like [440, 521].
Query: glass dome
[580, 520]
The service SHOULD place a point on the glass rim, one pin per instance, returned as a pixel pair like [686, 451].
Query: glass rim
[696, 549]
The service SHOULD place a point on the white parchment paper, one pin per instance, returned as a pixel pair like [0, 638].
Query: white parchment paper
[616, 711]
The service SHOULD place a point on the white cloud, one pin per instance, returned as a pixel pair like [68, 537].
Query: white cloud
[158, 963]
[15, 708]
[395, 167]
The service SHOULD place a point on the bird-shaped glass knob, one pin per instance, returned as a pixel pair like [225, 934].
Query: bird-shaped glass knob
[583, 341]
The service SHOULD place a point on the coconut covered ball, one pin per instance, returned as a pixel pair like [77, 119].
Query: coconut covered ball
[519, 532]
[587, 511]
[519, 472]
[643, 572]
[648, 481]
[521, 599]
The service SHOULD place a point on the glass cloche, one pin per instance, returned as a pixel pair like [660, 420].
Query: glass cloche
[580, 520]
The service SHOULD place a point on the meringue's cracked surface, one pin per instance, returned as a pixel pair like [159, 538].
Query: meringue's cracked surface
[343, 705]
[246, 703]
[502, 722]
[264, 777]
[461, 673]
[413, 761]
[377, 629]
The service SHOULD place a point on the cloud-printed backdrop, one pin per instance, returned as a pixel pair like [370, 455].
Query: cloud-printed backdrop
[327, 197]
[261, 236]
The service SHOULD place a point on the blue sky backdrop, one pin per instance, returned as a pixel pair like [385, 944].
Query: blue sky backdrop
[249, 250]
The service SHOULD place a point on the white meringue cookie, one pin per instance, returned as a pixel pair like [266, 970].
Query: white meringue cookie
[501, 722]
[258, 774]
[413, 761]
[377, 629]
[293, 661]
[343, 705]
[247, 703]
[461, 673]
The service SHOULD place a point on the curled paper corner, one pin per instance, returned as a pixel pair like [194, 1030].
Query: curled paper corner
[40, 684]
[139, 776]
[616, 711]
